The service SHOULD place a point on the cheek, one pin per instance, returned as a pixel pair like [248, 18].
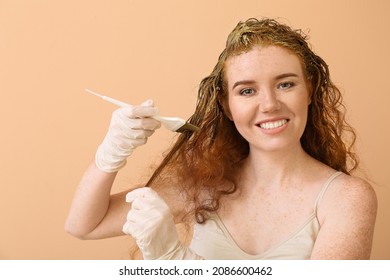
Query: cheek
[301, 113]
[227, 110]
[234, 113]
[241, 113]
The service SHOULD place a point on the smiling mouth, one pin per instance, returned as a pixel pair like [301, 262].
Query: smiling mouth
[273, 125]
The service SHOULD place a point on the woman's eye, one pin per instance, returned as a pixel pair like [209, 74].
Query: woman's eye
[247, 91]
[285, 85]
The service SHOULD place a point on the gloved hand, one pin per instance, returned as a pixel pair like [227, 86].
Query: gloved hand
[129, 128]
[151, 224]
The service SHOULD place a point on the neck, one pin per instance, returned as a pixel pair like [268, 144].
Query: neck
[274, 169]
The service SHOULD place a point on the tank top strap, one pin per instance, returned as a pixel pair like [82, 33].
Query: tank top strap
[324, 189]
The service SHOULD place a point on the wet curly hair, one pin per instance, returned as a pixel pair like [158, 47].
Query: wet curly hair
[206, 160]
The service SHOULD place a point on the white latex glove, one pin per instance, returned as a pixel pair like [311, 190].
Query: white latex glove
[151, 224]
[129, 128]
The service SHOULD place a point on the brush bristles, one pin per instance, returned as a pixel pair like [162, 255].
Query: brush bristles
[186, 127]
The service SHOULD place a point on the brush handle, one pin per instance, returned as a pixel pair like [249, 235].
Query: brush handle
[171, 123]
[116, 102]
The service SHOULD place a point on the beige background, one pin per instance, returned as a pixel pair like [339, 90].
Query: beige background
[133, 50]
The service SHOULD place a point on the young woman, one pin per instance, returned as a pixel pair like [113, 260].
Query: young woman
[267, 175]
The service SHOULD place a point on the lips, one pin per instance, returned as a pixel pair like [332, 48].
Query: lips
[272, 124]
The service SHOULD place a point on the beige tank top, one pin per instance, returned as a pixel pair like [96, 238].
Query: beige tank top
[213, 241]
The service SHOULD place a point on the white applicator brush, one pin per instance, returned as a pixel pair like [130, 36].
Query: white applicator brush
[172, 123]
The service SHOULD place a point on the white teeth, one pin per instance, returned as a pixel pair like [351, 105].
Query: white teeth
[271, 125]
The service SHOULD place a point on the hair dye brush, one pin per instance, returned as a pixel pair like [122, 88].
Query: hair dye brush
[171, 123]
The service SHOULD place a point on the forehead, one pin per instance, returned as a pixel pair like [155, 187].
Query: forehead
[262, 61]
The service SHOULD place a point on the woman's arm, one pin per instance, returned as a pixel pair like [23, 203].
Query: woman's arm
[94, 213]
[347, 216]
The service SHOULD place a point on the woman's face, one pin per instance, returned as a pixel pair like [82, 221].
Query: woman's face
[268, 97]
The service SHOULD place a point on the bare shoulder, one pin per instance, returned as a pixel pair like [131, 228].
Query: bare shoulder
[347, 215]
[351, 193]
[349, 198]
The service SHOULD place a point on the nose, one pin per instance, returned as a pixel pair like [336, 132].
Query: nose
[269, 101]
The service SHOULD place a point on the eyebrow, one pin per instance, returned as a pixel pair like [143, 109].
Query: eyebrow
[278, 77]
[285, 75]
[243, 82]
